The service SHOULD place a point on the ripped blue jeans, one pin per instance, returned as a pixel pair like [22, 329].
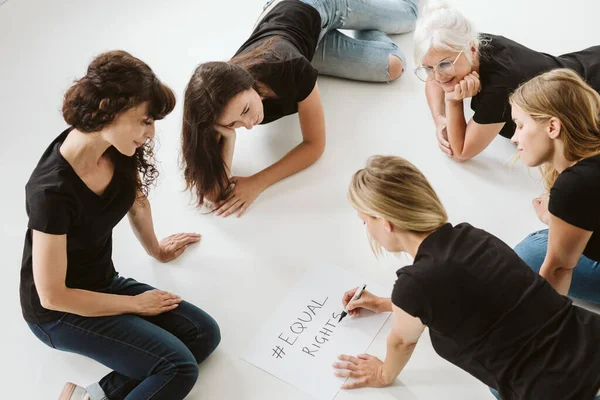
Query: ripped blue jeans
[363, 57]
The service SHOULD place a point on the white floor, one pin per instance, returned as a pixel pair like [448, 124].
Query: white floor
[302, 221]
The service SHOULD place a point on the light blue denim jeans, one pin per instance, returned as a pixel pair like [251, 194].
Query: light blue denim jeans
[365, 56]
[585, 284]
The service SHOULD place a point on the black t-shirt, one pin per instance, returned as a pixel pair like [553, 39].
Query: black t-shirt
[505, 64]
[58, 202]
[575, 198]
[295, 27]
[491, 315]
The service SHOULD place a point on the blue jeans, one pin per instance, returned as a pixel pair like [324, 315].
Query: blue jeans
[151, 357]
[364, 57]
[585, 284]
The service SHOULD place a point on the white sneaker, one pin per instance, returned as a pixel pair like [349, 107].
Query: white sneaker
[73, 392]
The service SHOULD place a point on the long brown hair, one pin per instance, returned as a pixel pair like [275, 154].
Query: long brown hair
[563, 94]
[115, 82]
[210, 88]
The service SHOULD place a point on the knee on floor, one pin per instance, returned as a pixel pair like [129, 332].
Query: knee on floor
[395, 67]
[214, 337]
[210, 340]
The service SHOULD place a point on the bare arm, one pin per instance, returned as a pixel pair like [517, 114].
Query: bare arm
[50, 272]
[228, 137]
[312, 124]
[406, 331]
[368, 370]
[140, 219]
[435, 99]
[467, 140]
[565, 246]
[247, 189]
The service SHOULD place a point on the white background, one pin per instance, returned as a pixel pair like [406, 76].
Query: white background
[300, 222]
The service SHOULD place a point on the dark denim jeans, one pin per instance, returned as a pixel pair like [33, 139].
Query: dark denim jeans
[151, 357]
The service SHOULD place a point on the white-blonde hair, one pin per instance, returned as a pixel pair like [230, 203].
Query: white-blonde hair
[444, 28]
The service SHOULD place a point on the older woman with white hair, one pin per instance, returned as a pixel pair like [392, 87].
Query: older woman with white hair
[457, 62]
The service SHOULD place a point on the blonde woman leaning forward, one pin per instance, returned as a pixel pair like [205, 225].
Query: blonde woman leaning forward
[558, 128]
[487, 312]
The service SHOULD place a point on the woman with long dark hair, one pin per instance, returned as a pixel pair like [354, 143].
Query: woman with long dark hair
[272, 76]
[72, 298]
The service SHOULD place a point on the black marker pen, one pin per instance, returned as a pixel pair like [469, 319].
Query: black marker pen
[355, 297]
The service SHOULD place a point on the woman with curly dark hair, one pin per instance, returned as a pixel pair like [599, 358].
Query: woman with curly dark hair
[72, 298]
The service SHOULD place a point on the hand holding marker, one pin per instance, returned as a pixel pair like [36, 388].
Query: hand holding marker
[355, 297]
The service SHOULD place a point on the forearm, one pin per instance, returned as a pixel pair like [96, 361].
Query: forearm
[456, 126]
[227, 152]
[89, 304]
[559, 278]
[435, 99]
[140, 219]
[301, 157]
[397, 356]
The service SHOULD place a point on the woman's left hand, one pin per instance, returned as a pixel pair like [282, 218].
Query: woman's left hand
[541, 208]
[468, 87]
[243, 194]
[172, 246]
[366, 370]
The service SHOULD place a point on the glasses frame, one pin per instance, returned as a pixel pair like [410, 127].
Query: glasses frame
[430, 71]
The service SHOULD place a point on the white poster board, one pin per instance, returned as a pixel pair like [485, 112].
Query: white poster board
[303, 338]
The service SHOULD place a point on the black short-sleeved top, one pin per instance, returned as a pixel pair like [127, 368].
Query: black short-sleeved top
[58, 202]
[575, 198]
[491, 315]
[505, 64]
[295, 27]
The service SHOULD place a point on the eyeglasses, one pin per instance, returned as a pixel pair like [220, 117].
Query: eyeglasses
[442, 68]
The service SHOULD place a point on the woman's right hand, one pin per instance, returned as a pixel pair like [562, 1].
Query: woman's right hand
[442, 135]
[468, 87]
[367, 300]
[154, 302]
[225, 132]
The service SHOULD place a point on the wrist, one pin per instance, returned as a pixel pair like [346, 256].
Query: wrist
[154, 249]
[261, 181]
[385, 377]
[452, 102]
[384, 304]
[131, 305]
[230, 137]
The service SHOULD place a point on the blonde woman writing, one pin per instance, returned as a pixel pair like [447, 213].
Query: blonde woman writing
[487, 312]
